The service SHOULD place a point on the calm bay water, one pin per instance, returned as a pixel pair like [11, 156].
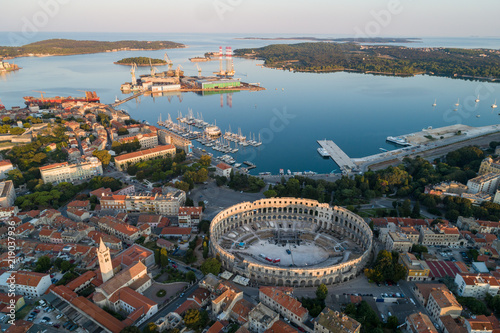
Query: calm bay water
[356, 111]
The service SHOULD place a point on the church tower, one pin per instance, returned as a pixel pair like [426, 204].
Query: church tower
[105, 262]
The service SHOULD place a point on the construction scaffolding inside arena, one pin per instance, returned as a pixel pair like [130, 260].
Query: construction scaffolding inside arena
[287, 237]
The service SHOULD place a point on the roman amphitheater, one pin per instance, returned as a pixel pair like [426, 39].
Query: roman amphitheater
[291, 242]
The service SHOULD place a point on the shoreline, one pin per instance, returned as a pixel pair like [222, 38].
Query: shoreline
[143, 65]
[43, 55]
[347, 70]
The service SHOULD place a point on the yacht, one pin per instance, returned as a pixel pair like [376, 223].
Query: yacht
[434, 103]
[322, 151]
[494, 106]
[477, 99]
[398, 140]
[458, 102]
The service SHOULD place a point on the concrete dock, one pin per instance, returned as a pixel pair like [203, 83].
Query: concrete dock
[344, 162]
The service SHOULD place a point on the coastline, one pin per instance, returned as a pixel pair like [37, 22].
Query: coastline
[42, 55]
[348, 70]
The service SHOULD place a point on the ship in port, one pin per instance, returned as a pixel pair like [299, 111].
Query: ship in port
[90, 96]
[398, 140]
[322, 151]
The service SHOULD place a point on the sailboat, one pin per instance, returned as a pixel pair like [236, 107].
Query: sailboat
[477, 99]
[434, 103]
[258, 143]
[494, 106]
[458, 102]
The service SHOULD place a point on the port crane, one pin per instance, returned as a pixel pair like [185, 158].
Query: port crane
[153, 69]
[169, 62]
[41, 92]
[178, 71]
[132, 71]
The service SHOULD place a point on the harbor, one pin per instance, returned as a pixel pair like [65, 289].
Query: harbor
[174, 80]
[425, 142]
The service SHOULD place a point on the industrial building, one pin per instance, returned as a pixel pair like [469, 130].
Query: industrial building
[218, 84]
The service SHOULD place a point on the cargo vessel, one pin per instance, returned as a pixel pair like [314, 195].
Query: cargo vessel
[90, 96]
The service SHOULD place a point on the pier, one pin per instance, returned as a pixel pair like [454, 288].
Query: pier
[344, 162]
[128, 99]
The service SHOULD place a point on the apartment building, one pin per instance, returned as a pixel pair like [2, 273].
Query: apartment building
[122, 161]
[476, 285]
[334, 321]
[284, 304]
[487, 183]
[65, 172]
[397, 241]
[190, 217]
[441, 303]
[164, 204]
[26, 283]
[7, 194]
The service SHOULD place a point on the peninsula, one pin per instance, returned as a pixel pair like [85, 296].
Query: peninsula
[482, 64]
[141, 61]
[58, 47]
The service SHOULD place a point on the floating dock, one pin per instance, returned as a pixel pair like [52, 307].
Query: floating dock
[344, 162]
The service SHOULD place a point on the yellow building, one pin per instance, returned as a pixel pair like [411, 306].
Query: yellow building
[417, 270]
[489, 165]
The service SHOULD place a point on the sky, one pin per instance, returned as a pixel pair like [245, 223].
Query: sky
[362, 18]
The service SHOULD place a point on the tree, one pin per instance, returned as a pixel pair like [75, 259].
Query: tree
[417, 248]
[416, 211]
[43, 264]
[150, 328]
[211, 265]
[206, 160]
[321, 292]
[131, 329]
[406, 208]
[270, 193]
[190, 276]
[192, 318]
[104, 156]
[392, 322]
[122, 131]
[163, 257]
[182, 186]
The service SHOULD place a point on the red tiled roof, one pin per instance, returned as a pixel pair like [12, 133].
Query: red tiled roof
[188, 304]
[223, 166]
[440, 269]
[175, 231]
[144, 152]
[184, 211]
[284, 300]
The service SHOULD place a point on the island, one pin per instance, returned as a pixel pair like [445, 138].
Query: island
[57, 47]
[354, 39]
[481, 64]
[141, 61]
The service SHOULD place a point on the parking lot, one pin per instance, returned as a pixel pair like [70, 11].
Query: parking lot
[47, 315]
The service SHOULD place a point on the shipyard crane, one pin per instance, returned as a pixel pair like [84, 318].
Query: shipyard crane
[153, 69]
[169, 62]
[178, 71]
[132, 71]
[41, 92]
[199, 70]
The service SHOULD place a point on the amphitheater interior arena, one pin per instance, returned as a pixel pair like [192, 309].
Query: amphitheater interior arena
[291, 242]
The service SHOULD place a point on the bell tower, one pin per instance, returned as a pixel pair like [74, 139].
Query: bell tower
[105, 262]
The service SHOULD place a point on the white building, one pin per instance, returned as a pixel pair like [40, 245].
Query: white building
[485, 183]
[65, 172]
[5, 167]
[223, 169]
[476, 285]
[26, 283]
[189, 217]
